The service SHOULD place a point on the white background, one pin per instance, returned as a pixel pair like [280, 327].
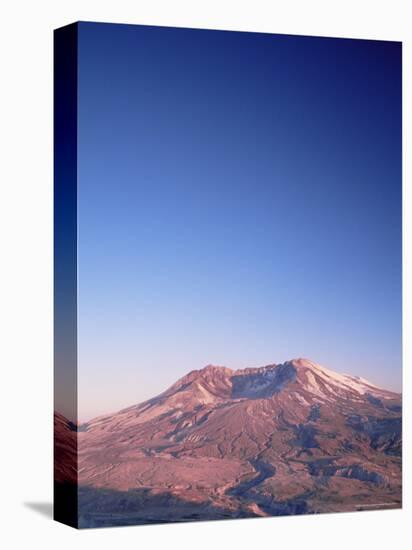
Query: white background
[26, 270]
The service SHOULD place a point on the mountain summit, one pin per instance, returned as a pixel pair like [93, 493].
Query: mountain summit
[213, 384]
[278, 439]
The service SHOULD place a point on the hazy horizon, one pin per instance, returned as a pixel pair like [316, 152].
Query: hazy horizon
[239, 204]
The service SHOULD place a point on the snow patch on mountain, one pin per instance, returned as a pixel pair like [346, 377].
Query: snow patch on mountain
[336, 380]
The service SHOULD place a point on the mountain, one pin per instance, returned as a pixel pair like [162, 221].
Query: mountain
[65, 470]
[281, 439]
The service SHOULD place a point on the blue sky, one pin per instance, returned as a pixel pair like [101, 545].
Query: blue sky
[239, 203]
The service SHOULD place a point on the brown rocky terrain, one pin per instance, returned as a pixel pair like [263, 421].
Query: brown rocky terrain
[282, 439]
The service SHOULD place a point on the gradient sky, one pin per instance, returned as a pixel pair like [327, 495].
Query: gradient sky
[239, 203]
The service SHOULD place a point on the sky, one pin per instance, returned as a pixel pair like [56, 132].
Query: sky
[239, 204]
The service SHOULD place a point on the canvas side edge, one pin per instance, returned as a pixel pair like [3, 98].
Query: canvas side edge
[65, 275]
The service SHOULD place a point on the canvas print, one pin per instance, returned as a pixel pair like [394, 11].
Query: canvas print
[228, 258]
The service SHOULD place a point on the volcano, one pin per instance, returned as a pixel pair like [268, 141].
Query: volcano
[290, 438]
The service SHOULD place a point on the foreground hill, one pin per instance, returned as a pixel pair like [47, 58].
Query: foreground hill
[280, 439]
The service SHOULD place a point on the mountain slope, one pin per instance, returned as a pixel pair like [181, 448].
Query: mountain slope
[289, 438]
